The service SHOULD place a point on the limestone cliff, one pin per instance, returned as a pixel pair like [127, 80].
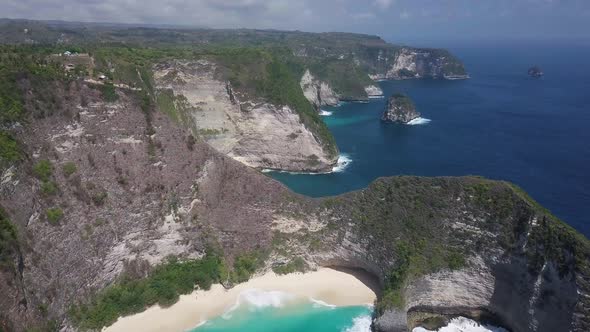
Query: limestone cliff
[249, 129]
[407, 63]
[374, 91]
[317, 92]
[400, 108]
[143, 188]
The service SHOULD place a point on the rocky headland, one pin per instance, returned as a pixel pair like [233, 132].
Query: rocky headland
[535, 71]
[114, 198]
[248, 128]
[439, 247]
[400, 109]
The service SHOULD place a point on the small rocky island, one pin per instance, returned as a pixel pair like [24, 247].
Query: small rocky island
[400, 109]
[535, 71]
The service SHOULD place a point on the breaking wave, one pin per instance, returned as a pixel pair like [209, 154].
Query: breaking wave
[343, 162]
[325, 113]
[419, 121]
[462, 324]
[320, 303]
[255, 299]
[361, 323]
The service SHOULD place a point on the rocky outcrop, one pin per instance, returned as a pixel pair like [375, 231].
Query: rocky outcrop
[514, 274]
[144, 188]
[317, 92]
[248, 129]
[408, 63]
[374, 91]
[400, 109]
[535, 71]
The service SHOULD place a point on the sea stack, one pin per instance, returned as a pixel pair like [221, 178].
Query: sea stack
[535, 71]
[400, 109]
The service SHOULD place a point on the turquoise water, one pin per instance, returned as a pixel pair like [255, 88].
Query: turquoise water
[290, 317]
[500, 124]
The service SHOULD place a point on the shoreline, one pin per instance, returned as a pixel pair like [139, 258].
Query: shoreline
[193, 309]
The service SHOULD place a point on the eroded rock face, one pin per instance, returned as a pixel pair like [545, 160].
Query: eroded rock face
[400, 109]
[253, 131]
[374, 91]
[535, 71]
[134, 199]
[143, 190]
[408, 63]
[317, 92]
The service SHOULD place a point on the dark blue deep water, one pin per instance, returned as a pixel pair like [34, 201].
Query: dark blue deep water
[500, 124]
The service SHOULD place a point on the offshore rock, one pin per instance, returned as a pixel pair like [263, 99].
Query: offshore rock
[400, 109]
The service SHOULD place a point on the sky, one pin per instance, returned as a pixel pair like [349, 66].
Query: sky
[400, 20]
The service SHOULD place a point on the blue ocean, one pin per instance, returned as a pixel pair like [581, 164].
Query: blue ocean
[501, 124]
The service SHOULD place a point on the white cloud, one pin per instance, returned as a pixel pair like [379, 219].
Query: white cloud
[383, 4]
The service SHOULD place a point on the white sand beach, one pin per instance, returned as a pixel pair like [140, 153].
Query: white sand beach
[327, 285]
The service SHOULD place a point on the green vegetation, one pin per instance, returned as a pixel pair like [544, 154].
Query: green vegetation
[99, 198]
[415, 260]
[43, 170]
[69, 168]
[403, 216]
[209, 132]
[295, 265]
[11, 104]
[109, 94]
[403, 101]
[48, 188]
[162, 286]
[245, 265]
[54, 215]
[9, 150]
[273, 74]
[346, 78]
[8, 241]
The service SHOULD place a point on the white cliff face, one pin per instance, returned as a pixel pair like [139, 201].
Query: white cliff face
[374, 91]
[405, 61]
[317, 92]
[255, 132]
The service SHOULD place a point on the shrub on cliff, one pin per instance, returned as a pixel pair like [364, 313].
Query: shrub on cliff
[163, 286]
[8, 240]
[43, 170]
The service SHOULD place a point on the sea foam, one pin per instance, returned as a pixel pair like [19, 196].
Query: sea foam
[343, 161]
[419, 121]
[360, 324]
[462, 324]
[255, 299]
[320, 303]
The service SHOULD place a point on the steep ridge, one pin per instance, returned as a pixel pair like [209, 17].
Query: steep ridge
[318, 93]
[247, 128]
[143, 189]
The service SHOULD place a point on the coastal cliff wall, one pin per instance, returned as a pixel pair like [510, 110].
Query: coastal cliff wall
[505, 260]
[318, 93]
[249, 129]
[409, 63]
[142, 190]
[105, 185]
